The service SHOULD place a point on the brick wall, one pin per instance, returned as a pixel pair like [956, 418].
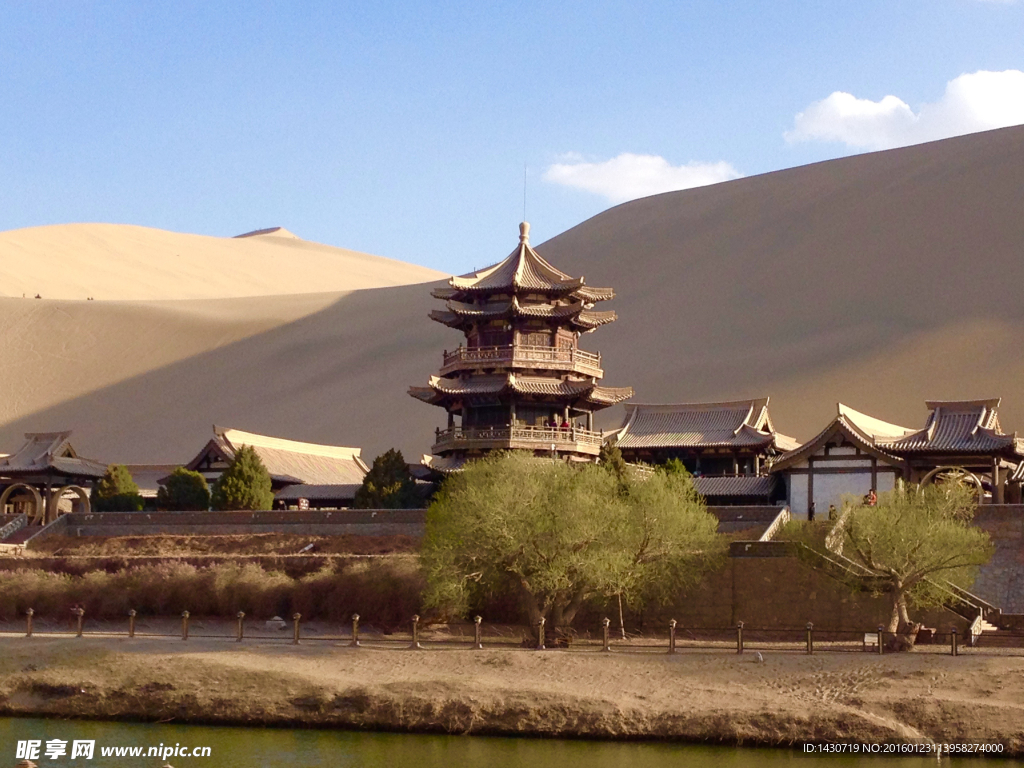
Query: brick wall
[1001, 582]
[780, 590]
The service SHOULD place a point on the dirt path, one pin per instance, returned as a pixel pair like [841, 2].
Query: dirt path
[695, 695]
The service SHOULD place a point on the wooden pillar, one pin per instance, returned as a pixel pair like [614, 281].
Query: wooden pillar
[512, 413]
[757, 465]
[590, 420]
[735, 464]
[997, 485]
[451, 419]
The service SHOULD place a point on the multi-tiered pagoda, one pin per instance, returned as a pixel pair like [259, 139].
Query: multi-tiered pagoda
[520, 381]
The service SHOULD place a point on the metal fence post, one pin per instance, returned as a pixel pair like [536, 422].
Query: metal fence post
[355, 631]
[954, 649]
[739, 637]
[881, 640]
[477, 637]
[131, 623]
[28, 622]
[810, 637]
[240, 632]
[415, 632]
[672, 636]
[606, 644]
[295, 634]
[184, 625]
[80, 613]
[540, 634]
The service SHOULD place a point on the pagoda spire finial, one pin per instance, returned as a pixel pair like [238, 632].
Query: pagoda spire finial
[524, 233]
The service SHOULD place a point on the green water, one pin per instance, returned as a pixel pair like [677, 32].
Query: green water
[266, 747]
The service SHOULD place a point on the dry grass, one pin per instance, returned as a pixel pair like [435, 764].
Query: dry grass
[386, 591]
[247, 544]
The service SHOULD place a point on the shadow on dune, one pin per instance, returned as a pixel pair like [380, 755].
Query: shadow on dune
[880, 280]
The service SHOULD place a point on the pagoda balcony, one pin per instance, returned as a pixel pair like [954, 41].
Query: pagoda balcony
[571, 439]
[523, 356]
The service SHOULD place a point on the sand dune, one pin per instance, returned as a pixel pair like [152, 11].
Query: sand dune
[122, 262]
[879, 280]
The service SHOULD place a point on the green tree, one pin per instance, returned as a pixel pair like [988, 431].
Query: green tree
[245, 484]
[184, 490]
[388, 485]
[915, 538]
[562, 535]
[116, 491]
[611, 459]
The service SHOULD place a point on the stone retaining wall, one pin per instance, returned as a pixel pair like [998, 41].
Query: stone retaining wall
[1001, 582]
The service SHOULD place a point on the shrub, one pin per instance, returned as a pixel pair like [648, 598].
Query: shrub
[185, 490]
[388, 485]
[116, 491]
[245, 484]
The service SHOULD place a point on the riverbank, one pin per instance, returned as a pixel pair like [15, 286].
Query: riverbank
[701, 696]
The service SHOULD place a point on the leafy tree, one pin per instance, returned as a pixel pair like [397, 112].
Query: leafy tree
[913, 539]
[388, 485]
[184, 490]
[676, 467]
[611, 459]
[562, 534]
[116, 491]
[245, 484]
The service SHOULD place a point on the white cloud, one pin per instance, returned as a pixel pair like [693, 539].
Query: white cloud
[972, 102]
[630, 176]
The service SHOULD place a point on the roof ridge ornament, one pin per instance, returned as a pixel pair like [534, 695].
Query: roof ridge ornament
[524, 233]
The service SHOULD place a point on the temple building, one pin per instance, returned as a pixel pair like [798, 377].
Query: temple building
[520, 381]
[303, 475]
[857, 453]
[46, 477]
[726, 446]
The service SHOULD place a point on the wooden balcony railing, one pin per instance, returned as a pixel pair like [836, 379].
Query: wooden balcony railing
[541, 436]
[523, 354]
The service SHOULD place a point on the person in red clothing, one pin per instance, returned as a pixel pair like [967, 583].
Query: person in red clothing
[565, 425]
[872, 498]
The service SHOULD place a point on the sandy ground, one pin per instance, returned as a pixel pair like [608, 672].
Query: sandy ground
[694, 695]
[811, 285]
[123, 262]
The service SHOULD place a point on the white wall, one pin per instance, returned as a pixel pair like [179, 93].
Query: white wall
[797, 487]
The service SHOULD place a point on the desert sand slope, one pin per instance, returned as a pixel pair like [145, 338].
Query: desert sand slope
[118, 261]
[878, 280]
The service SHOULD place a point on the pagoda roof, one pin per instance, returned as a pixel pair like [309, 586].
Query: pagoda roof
[459, 314]
[46, 453]
[441, 390]
[523, 270]
[733, 424]
[956, 427]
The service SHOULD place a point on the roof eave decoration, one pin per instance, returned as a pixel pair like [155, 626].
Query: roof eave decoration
[850, 430]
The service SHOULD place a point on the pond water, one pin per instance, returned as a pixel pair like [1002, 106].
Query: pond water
[268, 748]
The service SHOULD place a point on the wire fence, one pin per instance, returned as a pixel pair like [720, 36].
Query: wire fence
[675, 639]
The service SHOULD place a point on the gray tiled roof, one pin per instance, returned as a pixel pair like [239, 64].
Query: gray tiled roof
[291, 461]
[527, 385]
[523, 270]
[960, 426]
[44, 451]
[309, 491]
[743, 423]
[743, 485]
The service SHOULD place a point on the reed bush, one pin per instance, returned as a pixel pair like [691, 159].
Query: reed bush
[384, 592]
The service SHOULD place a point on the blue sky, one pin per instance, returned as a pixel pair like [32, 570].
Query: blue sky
[403, 128]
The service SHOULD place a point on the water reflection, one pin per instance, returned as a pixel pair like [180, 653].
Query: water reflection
[244, 747]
